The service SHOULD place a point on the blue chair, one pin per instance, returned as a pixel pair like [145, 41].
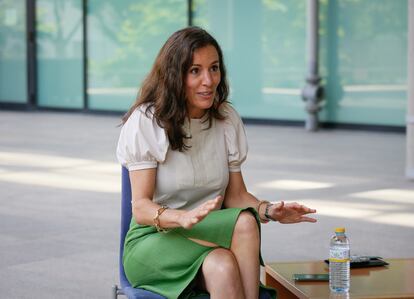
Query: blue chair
[126, 288]
[126, 214]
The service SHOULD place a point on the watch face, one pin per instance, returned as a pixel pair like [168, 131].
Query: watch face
[267, 212]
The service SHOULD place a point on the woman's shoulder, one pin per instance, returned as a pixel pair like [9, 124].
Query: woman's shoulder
[143, 117]
[235, 137]
[144, 110]
[143, 122]
[226, 108]
[142, 142]
[230, 113]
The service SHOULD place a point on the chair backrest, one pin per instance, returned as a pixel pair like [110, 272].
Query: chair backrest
[126, 214]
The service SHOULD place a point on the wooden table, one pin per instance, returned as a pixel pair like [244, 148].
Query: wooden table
[393, 281]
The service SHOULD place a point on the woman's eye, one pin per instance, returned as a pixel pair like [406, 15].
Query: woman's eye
[215, 68]
[194, 71]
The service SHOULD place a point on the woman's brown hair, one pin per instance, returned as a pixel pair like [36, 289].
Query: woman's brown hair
[164, 91]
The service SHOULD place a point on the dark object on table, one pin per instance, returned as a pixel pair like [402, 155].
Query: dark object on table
[358, 261]
[311, 277]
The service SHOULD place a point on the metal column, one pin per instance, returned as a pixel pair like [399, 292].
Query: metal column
[410, 84]
[31, 53]
[312, 92]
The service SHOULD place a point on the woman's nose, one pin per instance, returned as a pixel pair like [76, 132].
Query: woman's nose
[207, 79]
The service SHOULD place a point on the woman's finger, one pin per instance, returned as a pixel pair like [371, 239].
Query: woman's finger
[203, 212]
[308, 211]
[211, 206]
[304, 209]
[308, 219]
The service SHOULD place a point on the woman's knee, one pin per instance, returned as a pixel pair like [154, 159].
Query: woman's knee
[246, 224]
[221, 264]
[221, 275]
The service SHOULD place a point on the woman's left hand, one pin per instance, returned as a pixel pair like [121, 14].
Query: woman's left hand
[290, 213]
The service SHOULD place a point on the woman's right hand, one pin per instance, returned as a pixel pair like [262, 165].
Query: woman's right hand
[189, 218]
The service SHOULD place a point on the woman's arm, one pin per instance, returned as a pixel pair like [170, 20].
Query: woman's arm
[144, 209]
[237, 196]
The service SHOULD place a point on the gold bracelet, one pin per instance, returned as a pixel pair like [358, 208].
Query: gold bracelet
[261, 202]
[157, 219]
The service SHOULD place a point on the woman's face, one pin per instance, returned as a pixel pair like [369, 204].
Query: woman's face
[201, 81]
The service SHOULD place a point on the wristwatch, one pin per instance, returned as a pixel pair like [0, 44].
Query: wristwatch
[267, 212]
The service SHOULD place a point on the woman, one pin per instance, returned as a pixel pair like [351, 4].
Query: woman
[194, 226]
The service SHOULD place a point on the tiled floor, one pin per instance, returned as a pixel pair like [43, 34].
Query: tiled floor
[59, 198]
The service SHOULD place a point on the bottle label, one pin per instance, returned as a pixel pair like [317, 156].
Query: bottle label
[338, 255]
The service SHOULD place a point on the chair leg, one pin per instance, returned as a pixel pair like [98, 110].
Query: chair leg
[115, 292]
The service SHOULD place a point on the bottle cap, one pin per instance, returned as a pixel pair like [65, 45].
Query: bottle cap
[340, 229]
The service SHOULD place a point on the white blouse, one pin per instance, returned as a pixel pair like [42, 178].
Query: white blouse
[185, 179]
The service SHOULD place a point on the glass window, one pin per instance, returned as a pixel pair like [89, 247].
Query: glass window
[59, 30]
[364, 54]
[124, 38]
[264, 44]
[13, 49]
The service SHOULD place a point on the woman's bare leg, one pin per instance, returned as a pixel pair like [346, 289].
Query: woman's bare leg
[221, 276]
[244, 252]
[245, 246]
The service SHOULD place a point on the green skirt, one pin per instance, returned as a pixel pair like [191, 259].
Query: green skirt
[167, 263]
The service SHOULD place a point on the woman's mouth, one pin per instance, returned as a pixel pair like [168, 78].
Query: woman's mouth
[205, 94]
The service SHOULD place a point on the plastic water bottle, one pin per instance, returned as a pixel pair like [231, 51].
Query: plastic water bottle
[339, 262]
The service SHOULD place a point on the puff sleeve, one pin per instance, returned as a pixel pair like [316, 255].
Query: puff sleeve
[142, 143]
[235, 137]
